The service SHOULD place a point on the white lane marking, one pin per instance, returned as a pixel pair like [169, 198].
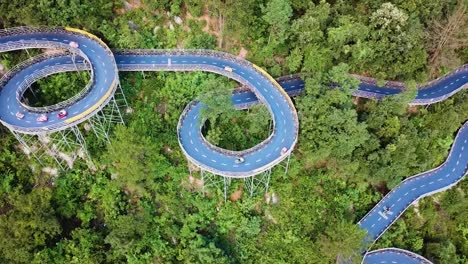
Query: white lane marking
[204, 155]
[383, 215]
[191, 141]
[213, 160]
[431, 182]
[224, 164]
[258, 160]
[196, 149]
[439, 179]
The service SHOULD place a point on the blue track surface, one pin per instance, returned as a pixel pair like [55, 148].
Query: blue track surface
[394, 256]
[105, 66]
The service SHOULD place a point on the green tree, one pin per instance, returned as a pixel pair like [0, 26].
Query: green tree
[342, 241]
[27, 226]
[277, 14]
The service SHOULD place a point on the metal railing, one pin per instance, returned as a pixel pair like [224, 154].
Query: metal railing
[26, 83]
[34, 43]
[19, 67]
[410, 254]
[29, 80]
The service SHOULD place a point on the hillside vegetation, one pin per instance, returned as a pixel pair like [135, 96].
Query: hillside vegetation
[138, 205]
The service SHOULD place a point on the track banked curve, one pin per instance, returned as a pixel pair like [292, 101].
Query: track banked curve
[95, 52]
[106, 64]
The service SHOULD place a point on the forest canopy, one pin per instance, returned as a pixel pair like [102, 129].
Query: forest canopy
[139, 204]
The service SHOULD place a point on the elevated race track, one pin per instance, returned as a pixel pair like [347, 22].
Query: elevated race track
[93, 54]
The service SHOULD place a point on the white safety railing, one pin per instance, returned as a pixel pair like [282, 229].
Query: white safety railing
[19, 67]
[33, 41]
[410, 254]
[30, 79]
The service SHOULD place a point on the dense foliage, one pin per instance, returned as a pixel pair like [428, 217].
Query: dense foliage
[138, 204]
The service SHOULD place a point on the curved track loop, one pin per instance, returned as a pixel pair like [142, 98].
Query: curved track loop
[93, 54]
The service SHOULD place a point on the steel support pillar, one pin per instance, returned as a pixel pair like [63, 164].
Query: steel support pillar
[63, 146]
[210, 179]
[258, 182]
[101, 122]
[285, 164]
